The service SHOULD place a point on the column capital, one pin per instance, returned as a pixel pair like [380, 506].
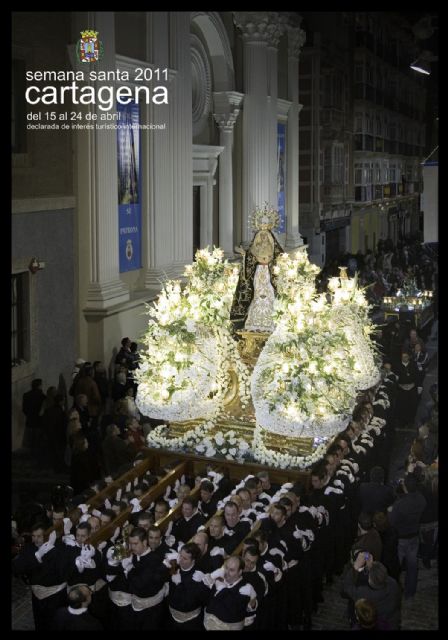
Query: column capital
[226, 108]
[260, 26]
[296, 40]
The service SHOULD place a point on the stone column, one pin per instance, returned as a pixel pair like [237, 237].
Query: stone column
[169, 225]
[181, 103]
[97, 189]
[257, 114]
[296, 40]
[226, 110]
[275, 30]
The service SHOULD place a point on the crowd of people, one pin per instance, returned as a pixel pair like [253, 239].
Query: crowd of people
[247, 555]
[387, 269]
[251, 555]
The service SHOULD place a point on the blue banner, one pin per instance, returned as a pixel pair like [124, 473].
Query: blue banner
[281, 175]
[129, 186]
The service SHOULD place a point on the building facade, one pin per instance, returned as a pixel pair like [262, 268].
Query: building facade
[226, 142]
[315, 114]
[362, 133]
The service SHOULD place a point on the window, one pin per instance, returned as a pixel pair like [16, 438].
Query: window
[338, 164]
[19, 319]
[377, 173]
[327, 165]
[358, 173]
[358, 122]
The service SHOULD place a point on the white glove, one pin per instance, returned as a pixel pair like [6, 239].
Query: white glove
[136, 479]
[118, 494]
[297, 533]
[102, 545]
[96, 513]
[136, 506]
[107, 504]
[69, 540]
[116, 534]
[248, 590]
[268, 566]
[84, 508]
[208, 580]
[126, 563]
[217, 573]
[87, 551]
[45, 548]
[198, 576]
[84, 517]
[89, 563]
[176, 578]
[167, 492]
[419, 390]
[79, 561]
[217, 551]
[67, 526]
[108, 480]
[128, 487]
[172, 555]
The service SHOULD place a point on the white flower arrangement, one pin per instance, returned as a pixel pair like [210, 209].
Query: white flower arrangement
[305, 380]
[184, 371]
[159, 438]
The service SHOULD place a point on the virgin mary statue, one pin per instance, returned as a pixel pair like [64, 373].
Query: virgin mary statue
[253, 302]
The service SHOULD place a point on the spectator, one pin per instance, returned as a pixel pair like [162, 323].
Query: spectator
[375, 495]
[405, 516]
[124, 357]
[54, 423]
[84, 468]
[368, 538]
[76, 617]
[389, 539]
[407, 394]
[367, 617]
[117, 454]
[31, 405]
[382, 590]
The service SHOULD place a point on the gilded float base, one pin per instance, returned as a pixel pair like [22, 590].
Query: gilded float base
[242, 419]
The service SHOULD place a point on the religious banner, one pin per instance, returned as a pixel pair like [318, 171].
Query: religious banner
[281, 175]
[129, 186]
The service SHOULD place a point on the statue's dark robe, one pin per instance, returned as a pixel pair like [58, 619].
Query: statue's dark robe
[244, 291]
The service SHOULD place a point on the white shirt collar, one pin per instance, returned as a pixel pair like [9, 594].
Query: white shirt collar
[77, 612]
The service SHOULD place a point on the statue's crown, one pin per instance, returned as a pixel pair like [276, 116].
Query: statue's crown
[265, 218]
